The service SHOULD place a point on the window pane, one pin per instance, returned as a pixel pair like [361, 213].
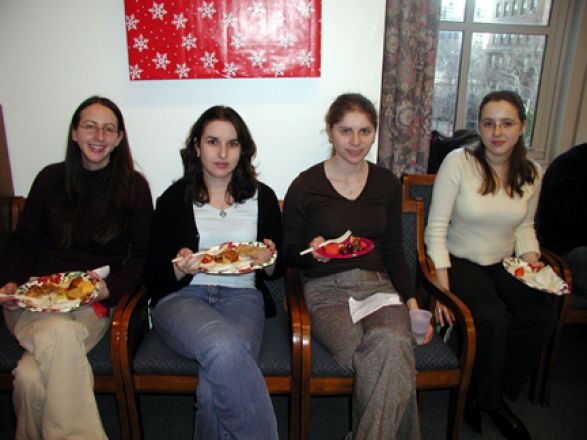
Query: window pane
[452, 10]
[504, 62]
[531, 12]
[446, 81]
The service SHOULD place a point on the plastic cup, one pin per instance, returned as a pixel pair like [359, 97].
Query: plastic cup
[420, 322]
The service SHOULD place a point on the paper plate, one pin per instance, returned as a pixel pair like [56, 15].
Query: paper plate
[369, 245]
[545, 279]
[244, 264]
[54, 299]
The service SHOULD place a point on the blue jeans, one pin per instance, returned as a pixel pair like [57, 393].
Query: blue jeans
[221, 329]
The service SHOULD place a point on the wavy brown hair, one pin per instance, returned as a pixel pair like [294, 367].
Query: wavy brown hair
[521, 170]
[243, 182]
[118, 182]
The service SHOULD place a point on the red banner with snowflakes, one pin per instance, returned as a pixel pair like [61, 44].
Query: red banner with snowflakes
[177, 39]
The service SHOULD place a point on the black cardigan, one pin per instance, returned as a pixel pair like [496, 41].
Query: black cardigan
[174, 227]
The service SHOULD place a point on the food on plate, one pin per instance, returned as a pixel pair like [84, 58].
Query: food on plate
[350, 247]
[332, 249]
[236, 258]
[63, 289]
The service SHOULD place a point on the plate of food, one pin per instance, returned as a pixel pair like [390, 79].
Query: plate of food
[352, 247]
[542, 278]
[235, 258]
[60, 292]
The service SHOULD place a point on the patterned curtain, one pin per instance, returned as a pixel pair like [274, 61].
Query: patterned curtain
[411, 34]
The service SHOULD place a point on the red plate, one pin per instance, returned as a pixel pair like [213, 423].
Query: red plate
[369, 247]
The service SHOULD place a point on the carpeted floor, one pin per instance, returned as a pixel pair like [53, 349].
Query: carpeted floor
[170, 417]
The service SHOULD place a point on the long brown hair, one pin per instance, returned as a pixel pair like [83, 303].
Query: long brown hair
[243, 182]
[118, 182]
[521, 170]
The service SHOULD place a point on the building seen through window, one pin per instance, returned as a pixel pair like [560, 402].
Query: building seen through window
[487, 45]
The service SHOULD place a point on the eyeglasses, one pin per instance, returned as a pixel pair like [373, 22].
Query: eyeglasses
[109, 130]
[505, 124]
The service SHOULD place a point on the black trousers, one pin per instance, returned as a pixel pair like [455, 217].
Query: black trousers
[513, 323]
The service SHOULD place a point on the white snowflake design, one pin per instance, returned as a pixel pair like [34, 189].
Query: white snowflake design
[306, 58]
[257, 9]
[135, 72]
[182, 70]
[207, 10]
[158, 11]
[228, 20]
[209, 59]
[230, 69]
[286, 41]
[278, 19]
[305, 8]
[258, 58]
[161, 61]
[141, 43]
[278, 69]
[237, 42]
[179, 21]
[188, 41]
[131, 22]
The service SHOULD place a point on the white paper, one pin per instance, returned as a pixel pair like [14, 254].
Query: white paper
[360, 309]
[102, 271]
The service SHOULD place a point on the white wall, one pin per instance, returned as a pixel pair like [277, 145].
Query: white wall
[56, 53]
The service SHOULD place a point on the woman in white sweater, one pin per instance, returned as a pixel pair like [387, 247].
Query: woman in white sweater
[483, 205]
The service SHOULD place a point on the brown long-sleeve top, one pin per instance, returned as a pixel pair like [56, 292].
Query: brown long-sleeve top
[313, 207]
[34, 249]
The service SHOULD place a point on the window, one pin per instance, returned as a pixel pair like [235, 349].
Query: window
[485, 51]
[515, 7]
[524, 7]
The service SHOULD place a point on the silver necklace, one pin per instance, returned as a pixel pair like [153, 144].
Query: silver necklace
[222, 213]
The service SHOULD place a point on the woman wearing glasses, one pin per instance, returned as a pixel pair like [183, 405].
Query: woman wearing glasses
[483, 205]
[92, 210]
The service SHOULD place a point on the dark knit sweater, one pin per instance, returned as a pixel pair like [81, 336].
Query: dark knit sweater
[35, 248]
[313, 207]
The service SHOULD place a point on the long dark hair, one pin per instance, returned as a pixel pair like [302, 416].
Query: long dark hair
[521, 170]
[350, 102]
[243, 182]
[118, 183]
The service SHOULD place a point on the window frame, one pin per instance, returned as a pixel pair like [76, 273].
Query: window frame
[545, 118]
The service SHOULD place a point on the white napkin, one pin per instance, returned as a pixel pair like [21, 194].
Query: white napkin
[102, 271]
[362, 308]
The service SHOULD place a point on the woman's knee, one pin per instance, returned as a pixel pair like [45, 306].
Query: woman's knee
[27, 377]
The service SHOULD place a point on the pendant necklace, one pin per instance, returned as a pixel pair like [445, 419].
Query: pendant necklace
[222, 213]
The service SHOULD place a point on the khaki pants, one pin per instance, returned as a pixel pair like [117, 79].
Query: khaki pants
[53, 381]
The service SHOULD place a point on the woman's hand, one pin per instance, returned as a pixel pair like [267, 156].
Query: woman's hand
[533, 259]
[443, 314]
[314, 244]
[264, 254]
[103, 291]
[8, 289]
[187, 264]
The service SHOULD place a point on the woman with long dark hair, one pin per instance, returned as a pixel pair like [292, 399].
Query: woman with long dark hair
[214, 319]
[483, 205]
[92, 210]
